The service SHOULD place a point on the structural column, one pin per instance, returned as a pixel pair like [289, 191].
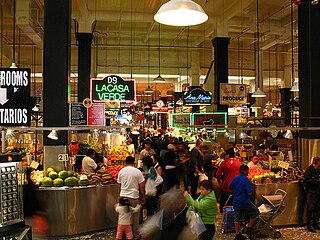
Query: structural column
[84, 64]
[56, 71]
[220, 45]
[309, 75]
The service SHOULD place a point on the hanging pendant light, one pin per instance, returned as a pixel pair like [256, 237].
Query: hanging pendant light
[295, 85]
[258, 93]
[181, 13]
[148, 89]
[179, 102]
[159, 79]
[53, 135]
[288, 134]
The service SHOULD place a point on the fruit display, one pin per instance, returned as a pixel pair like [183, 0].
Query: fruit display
[63, 174]
[100, 178]
[96, 146]
[114, 171]
[117, 154]
[46, 182]
[58, 182]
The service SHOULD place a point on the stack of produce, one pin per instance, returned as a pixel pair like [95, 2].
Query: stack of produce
[117, 153]
[36, 177]
[63, 178]
[114, 170]
[100, 178]
[260, 175]
[292, 174]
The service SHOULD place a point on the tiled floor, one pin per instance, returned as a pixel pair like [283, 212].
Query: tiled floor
[295, 233]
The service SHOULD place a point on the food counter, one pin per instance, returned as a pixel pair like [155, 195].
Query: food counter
[78, 210]
[295, 203]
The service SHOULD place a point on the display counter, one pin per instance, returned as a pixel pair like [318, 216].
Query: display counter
[295, 203]
[72, 211]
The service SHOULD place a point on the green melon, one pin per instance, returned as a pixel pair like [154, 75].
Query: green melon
[46, 182]
[63, 174]
[58, 182]
[53, 175]
[49, 170]
[83, 182]
[70, 181]
[70, 173]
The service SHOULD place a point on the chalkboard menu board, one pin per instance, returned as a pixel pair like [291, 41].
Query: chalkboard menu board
[180, 120]
[78, 114]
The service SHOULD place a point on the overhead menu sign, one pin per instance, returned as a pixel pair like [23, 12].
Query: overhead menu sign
[233, 94]
[83, 116]
[113, 88]
[78, 114]
[216, 118]
[197, 96]
[181, 120]
[14, 97]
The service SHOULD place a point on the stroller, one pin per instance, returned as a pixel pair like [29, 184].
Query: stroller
[268, 212]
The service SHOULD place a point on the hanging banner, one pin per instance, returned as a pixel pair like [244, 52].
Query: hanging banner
[113, 89]
[197, 96]
[213, 119]
[14, 97]
[233, 94]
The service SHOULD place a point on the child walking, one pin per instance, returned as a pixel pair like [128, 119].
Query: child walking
[125, 218]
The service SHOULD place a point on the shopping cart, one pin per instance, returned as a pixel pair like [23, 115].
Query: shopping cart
[228, 217]
[268, 212]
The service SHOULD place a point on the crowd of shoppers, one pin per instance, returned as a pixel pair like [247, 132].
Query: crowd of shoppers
[180, 168]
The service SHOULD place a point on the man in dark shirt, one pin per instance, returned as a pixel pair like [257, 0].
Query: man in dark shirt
[227, 170]
[242, 190]
[312, 186]
[195, 167]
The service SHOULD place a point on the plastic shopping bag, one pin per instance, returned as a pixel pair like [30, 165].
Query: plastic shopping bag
[151, 187]
[196, 225]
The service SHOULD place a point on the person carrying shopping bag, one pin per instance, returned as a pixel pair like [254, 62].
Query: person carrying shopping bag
[206, 207]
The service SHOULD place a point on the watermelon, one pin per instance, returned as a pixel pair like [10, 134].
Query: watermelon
[58, 182]
[63, 174]
[70, 181]
[49, 170]
[83, 182]
[53, 175]
[46, 182]
[70, 173]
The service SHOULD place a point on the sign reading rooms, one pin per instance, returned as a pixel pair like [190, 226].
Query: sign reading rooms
[14, 97]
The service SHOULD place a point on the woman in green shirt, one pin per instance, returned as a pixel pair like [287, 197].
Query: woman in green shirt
[206, 206]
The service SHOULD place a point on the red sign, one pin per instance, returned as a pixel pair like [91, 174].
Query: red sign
[209, 119]
[96, 115]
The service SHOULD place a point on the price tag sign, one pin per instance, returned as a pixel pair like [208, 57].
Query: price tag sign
[283, 164]
[63, 157]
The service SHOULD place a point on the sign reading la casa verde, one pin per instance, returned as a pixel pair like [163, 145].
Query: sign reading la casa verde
[113, 88]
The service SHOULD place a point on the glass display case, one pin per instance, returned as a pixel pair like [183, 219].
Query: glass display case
[11, 194]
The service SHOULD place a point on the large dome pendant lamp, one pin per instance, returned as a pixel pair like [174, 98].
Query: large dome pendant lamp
[181, 13]
[258, 93]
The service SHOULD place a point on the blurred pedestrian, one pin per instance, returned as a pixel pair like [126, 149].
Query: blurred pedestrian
[195, 167]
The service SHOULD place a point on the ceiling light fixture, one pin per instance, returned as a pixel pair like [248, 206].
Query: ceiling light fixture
[53, 135]
[148, 89]
[159, 79]
[295, 85]
[181, 13]
[258, 93]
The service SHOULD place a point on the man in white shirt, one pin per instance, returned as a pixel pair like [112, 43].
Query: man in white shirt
[254, 163]
[132, 185]
[88, 164]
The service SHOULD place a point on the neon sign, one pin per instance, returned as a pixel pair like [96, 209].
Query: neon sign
[197, 96]
[113, 88]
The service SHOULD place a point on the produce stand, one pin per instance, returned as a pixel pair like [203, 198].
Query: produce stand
[295, 203]
[78, 210]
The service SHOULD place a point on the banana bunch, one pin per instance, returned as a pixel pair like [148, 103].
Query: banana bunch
[100, 178]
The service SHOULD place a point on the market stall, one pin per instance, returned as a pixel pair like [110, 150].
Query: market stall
[76, 210]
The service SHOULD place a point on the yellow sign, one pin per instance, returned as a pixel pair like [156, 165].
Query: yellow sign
[233, 94]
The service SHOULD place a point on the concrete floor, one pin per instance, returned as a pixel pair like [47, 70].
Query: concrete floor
[293, 233]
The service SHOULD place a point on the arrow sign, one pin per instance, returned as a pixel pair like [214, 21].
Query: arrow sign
[3, 96]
